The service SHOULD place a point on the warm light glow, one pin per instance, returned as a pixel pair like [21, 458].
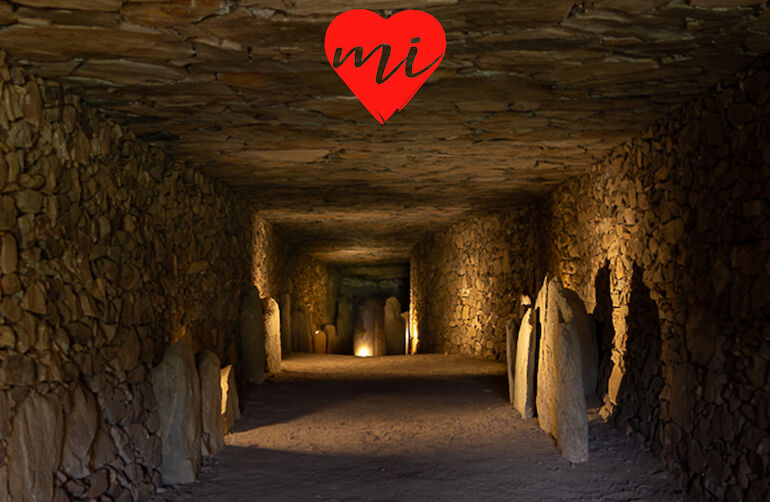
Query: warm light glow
[363, 351]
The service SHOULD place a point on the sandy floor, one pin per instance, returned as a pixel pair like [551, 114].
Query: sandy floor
[397, 428]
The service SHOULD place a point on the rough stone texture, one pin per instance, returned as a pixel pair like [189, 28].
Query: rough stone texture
[230, 410]
[369, 329]
[523, 395]
[269, 254]
[300, 332]
[510, 355]
[82, 422]
[528, 95]
[314, 287]
[177, 389]
[272, 335]
[34, 448]
[465, 282]
[586, 331]
[560, 397]
[344, 323]
[395, 331]
[110, 250]
[285, 309]
[212, 434]
[667, 242]
[252, 338]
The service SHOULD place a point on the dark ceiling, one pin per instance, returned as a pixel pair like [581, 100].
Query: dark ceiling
[528, 94]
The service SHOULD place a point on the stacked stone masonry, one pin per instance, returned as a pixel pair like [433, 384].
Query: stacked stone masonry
[668, 243]
[466, 282]
[109, 252]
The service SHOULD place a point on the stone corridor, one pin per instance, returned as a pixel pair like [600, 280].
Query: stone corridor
[552, 265]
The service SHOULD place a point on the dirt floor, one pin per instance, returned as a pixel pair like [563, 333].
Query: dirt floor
[409, 428]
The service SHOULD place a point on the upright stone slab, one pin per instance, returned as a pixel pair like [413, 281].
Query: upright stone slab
[344, 323]
[272, 335]
[333, 342]
[395, 330]
[589, 344]
[561, 404]
[230, 409]
[212, 432]
[369, 335]
[319, 341]
[380, 343]
[177, 391]
[510, 355]
[33, 449]
[81, 423]
[285, 324]
[252, 340]
[524, 366]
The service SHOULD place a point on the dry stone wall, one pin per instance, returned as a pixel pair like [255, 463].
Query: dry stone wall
[314, 287]
[668, 243]
[465, 282]
[109, 251]
[269, 265]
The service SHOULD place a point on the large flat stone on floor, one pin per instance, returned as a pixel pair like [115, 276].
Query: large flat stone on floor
[176, 386]
[252, 337]
[212, 432]
[272, 335]
[560, 399]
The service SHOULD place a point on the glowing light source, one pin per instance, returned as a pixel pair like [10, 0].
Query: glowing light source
[363, 351]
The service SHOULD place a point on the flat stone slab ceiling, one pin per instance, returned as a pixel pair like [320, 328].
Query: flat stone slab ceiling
[528, 94]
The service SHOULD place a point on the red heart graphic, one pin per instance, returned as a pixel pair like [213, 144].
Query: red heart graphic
[384, 61]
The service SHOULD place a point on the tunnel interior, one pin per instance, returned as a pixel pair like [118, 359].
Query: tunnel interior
[220, 276]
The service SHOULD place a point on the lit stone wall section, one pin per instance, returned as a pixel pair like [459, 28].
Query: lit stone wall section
[109, 251]
[668, 243]
[314, 286]
[269, 263]
[465, 282]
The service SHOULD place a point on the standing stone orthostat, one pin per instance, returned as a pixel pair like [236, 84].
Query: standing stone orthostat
[560, 400]
[272, 335]
[252, 340]
[177, 391]
[526, 358]
[230, 410]
[395, 330]
[589, 345]
[212, 432]
[285, 324]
